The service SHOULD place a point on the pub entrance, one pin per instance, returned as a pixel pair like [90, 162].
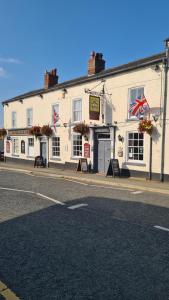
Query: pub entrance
[103, 147]
[104, 152]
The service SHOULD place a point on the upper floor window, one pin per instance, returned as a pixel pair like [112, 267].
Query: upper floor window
[29, 116]
[135, 146]
[77, 110]
[13, 119]
[55, 114]
[134, 94]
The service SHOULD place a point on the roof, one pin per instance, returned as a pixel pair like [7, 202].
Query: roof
[106, 73]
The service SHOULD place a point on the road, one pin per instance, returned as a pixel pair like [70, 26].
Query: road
[62, 239]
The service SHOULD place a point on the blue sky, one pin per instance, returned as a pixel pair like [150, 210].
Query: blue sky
[36, 35]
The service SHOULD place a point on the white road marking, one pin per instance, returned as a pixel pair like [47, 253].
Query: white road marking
[31, 192]
[109, 187]
[162, 228]
[137, 192]
[77, 206]
[51, 199]
[16, 190]
[76, 181]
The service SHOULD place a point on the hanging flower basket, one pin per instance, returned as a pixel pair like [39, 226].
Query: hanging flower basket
[81, 128]
[46, 130]
[35, 130]
[3, 133]
[146, 126]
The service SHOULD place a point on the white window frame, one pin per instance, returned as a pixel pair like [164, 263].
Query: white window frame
[57, 111]
[14, 120]
[74, 120]
[130, 117]
[29, 118]
[73, 136]
[31, 147]
[15, 146]
[139, 146]
[55, 146]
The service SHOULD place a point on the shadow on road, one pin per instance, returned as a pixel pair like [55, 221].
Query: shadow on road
[102, 251]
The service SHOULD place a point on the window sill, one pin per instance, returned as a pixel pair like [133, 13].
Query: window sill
[30, 156]
[55, 158]
[15, 155]
[75, 157]
[132, 163]
[131, 120]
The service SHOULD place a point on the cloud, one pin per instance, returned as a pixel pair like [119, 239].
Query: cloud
[2, 72]
[10, 60]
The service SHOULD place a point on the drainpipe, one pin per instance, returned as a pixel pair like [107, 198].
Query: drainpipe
[166, 63]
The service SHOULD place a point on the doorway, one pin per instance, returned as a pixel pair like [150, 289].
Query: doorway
[43, 151]
[104, 155]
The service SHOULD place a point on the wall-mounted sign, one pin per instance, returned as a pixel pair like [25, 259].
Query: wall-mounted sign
[7, 147]
[86, 150]
[19, 132]
[23, 147]
[94, 107]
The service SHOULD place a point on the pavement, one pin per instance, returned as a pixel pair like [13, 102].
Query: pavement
[142, 184]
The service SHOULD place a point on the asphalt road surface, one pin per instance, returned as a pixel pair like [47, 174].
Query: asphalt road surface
[63, 240]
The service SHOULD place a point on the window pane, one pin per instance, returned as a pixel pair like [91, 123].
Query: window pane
[135, 146]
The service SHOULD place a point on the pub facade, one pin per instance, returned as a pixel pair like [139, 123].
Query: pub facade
[100, 102]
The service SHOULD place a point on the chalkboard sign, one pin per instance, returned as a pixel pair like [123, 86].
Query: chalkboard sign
[39, 162]
[82, 165]
[113, 168]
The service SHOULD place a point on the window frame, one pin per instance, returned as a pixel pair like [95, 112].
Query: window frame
[52, 121]
[131, 117]
[33, 146]
[73, 111]
[27, 124]
[14, 152]
[15, 120]
[132, 160]
[55, 146]
[73, 136]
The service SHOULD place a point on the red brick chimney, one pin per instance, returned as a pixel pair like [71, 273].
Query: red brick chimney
[95, 64]
[50, 78]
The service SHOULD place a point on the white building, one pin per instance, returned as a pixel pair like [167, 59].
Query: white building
[113, 130]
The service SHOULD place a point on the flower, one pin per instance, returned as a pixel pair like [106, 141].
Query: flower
[35, 130]
[145, 126]
[81, 128]
[46, 130]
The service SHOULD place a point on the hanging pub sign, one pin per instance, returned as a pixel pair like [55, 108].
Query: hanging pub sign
[87, 150]
[94, 107]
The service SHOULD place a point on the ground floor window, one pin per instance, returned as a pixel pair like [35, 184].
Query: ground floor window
[15, 146]
[31, 147]
[56, 146]
[135, 146]
[77, 145]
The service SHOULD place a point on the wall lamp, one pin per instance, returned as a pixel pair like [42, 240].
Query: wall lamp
[21, 101]
[41, 96]
[64, 92]
[120, 138]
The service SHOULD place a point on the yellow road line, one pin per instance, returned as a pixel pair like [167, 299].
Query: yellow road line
[7, 293]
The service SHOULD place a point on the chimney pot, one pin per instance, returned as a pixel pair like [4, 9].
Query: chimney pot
[96, 63]
[50, 78]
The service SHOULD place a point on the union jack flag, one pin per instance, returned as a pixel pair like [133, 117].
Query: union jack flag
[139, 107]
[55, 118]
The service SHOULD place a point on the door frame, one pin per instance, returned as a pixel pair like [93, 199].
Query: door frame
[111, 129]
